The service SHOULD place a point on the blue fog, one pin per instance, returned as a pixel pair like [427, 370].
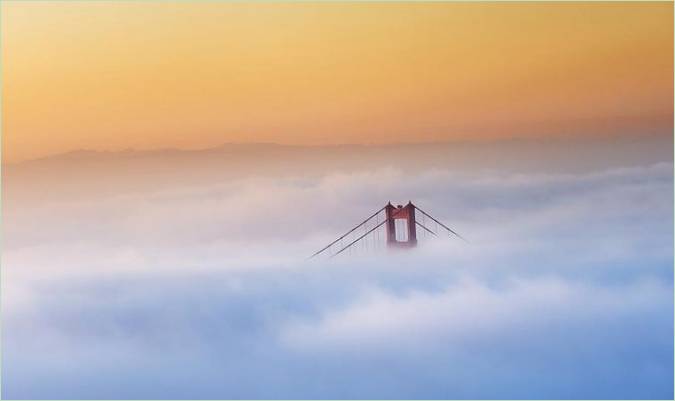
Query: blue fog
[564, 291]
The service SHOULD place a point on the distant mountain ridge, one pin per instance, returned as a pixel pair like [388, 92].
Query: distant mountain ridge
[88, 173]
[263, 147]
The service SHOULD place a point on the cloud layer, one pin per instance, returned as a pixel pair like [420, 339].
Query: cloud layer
[565, 290]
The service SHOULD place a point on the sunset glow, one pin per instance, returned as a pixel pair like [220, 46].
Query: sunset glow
[147, 75]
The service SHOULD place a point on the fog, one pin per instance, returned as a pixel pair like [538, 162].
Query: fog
[204, 290]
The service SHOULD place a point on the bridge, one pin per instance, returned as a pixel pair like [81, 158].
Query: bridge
[399, 223]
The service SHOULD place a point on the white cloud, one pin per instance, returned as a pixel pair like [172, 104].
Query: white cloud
[462, 311]
[204, 291]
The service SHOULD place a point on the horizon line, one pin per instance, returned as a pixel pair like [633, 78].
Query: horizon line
[478, 141]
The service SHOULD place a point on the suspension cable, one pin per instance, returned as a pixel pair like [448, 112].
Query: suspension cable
[347, 233]
[441, 224]
[356, 240]
[422, 225]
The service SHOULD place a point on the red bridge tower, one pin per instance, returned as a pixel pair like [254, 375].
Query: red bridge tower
[401, 225]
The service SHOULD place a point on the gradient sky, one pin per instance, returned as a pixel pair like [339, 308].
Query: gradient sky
[107, 76]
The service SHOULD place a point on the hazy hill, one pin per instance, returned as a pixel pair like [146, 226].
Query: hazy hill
[95, 173]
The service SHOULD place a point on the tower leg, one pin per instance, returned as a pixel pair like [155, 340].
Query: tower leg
[391, 226]
[412, 225]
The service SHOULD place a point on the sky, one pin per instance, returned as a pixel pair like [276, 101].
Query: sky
[150, 261]
[147, 75]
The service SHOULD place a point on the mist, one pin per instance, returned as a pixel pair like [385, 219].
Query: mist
[203, 290]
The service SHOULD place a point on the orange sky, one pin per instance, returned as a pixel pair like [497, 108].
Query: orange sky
[104, 75]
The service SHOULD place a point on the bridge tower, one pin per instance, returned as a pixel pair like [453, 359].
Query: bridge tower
[404, 234]
[400, 226]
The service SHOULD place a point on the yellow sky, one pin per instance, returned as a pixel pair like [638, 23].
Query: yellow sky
[104, 75]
